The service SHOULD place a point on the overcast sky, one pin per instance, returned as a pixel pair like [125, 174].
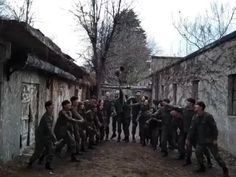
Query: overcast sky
[54, 20]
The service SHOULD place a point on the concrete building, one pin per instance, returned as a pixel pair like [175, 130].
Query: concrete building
[159, 62]
[208, 74]
[32, 70]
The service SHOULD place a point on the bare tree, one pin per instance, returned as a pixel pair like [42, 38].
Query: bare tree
[2, 8]
[20, 12]
[211, 26]
[99, 19]
[153, 46]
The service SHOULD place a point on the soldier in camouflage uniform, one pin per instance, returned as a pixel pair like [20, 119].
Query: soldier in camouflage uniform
[144, 115]
[85, 110]
[136, 105]
[164, 114]
[101, 118]
[188, 113]
[107, 110]
[44, 138]
[64, 130]
[97, 124]
[117, 114]
[79, 133]
[177, 119]
[205, 131]
[126, 118]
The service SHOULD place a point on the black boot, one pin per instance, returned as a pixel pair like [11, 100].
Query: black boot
[134, 140]
[225, 172]
[165, 154]
[74, 159]
[48, 166]
[180, 157]
[41, 160]
[83, 149]
[201, 169]
[143, 143]
[187, 162]
[29, 165]
[91, 146]
[119, 138]
[78, 152]
[209, 165]
[113, 136]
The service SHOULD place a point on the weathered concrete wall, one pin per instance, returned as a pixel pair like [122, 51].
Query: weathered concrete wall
[159, 62]
[12, 106]
[211, 69]
[1, 118]
[62, 91]
[12, 110]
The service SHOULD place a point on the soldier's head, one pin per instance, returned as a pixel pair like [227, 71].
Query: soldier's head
[100, 104]
[81, 106]
[138, 95]
[107, 94]
[146, 102]
[190, 102]
[143, 98]
[165, 102]
[74, 101]
[66, 105]
[94, 107]
[152, 110]
[49, 107]
[117, 94]
[158, 104]
[146, 105]
[176, 112]
[155, 102]
[199, 107]
[86, 104]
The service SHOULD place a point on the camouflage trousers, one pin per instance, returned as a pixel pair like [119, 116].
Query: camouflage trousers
[42, 148]
[213, 148]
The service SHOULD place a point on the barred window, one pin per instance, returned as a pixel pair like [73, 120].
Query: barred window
[232, 95]
[195, 89]
[162, 91]
[175, 93]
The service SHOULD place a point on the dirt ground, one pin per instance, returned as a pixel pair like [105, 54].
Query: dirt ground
[112, 159]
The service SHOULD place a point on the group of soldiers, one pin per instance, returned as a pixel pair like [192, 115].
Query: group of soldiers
[169, 127]
[82, 125]
[79, 126]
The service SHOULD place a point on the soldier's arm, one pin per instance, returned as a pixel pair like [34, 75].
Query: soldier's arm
[113, 110]
[192, 129]
[135, 104]
[78, 117]
[69, 117]
[49, 129]
[121, 98]
[156, 114]
[213, 127]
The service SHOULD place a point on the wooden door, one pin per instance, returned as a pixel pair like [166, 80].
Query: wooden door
[29, 118]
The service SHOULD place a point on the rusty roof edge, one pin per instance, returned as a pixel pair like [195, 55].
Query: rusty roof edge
[165, 57]
[35, 62]
[38, 35]
[50, 44]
